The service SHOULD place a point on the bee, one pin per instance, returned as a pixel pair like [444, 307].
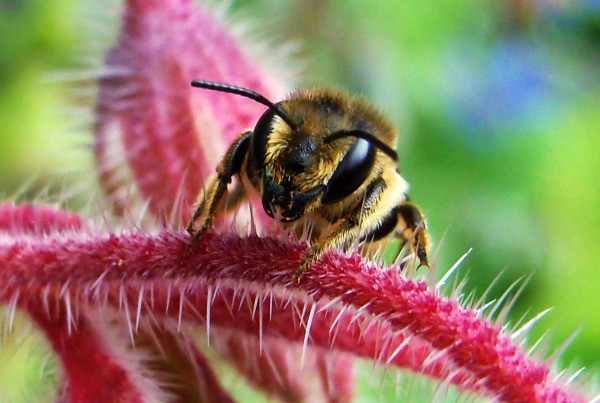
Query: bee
[321, 157]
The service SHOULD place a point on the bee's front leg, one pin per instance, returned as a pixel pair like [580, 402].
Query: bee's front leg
[213, 196]
[358, 221]
[338, 236]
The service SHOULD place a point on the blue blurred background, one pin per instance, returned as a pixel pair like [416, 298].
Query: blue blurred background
[498, 105]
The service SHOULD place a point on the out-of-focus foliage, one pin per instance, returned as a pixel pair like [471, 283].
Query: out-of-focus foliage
[498, 105]
[36, 37]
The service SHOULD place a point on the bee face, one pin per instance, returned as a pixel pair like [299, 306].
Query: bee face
[304, 167]
[322, 155]
[280, 155]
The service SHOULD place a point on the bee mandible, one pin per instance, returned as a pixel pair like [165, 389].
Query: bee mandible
[321, 157]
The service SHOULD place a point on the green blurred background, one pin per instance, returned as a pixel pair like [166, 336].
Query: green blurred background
[498, 103]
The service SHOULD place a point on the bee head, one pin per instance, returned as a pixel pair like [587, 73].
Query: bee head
[284, 156]
[319, 160]
[304, 155]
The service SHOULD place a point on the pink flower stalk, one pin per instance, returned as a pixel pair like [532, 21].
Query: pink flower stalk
[239, 291]
[122, 308]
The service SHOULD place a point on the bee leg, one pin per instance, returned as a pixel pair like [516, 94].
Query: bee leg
[336, 236]
[234, 197]
[349, 228]
[201, 202]
[415, 231]
[229, 166]
[215, 194]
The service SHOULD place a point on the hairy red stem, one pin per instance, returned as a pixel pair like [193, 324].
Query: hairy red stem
[79, 344]
[471, 343]
[94, 371]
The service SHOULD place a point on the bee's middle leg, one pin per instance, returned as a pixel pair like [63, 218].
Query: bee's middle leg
[381, 215]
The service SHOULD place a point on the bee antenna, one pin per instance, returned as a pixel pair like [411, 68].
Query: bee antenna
[232, 89]
[360, 134]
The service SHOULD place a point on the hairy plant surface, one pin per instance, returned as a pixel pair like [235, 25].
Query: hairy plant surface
[121, 307]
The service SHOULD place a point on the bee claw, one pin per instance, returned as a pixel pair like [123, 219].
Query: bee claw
[195, 236]
[192, 242]
[298, 274]
[422, 255]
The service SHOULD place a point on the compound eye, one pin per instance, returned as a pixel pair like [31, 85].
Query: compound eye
[351, 172]
[260, 138]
